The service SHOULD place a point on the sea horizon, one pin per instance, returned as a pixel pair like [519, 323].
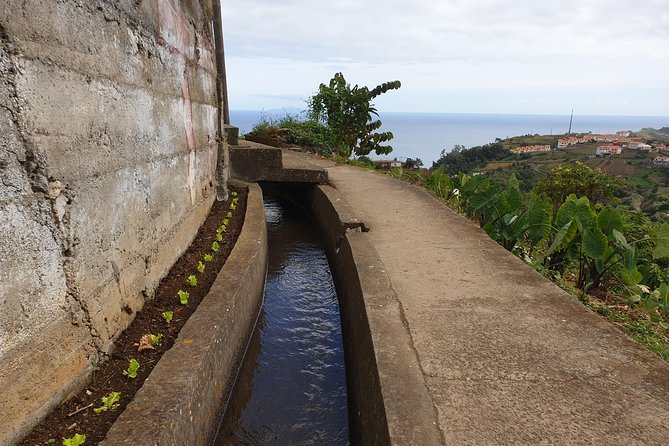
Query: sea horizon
[425, 134]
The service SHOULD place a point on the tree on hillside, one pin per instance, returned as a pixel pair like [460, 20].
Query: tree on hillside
[465, 160]
[348, 112]
[581, 180]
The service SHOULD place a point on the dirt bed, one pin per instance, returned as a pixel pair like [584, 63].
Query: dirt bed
[109, 377]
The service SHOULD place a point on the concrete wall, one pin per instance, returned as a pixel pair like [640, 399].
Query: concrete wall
[108, 129]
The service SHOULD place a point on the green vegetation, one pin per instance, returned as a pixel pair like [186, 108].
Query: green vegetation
[348, 112]
[192, 280]
[76, 440]
[168, 316]
[183, 297]
[572, 229]
[133, 368]
[109, 402]
[467, 160]
[340, 122]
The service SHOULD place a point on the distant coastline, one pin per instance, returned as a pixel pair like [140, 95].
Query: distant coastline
[425, 135]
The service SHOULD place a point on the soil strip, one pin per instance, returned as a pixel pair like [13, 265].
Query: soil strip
[76, 415]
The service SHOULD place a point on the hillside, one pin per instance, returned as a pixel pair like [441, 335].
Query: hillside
[646, 184]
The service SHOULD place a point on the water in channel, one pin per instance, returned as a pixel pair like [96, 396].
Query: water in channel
[291, 388]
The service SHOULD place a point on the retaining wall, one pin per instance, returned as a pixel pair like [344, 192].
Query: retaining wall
[108, 130]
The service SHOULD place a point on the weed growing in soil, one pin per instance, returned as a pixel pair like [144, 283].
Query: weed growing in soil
[109, 402]
[168, 316]
[132, 369]
[183, 297]
[192, 280]
[77, 440]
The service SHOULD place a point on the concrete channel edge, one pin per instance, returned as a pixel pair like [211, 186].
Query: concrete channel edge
[182, 400]
[388, 398]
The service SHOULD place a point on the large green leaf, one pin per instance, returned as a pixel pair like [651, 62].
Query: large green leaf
[662, 240]
[609, 220]
[595, 243]
[563, 237]
[538, 218]
[584, 213]
[627, 251]
[567, 211]
[630, 278]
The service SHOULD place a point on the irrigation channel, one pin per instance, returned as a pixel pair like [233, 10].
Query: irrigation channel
[291, 387]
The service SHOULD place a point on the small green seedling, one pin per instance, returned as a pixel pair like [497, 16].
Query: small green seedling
[157, 339]
[132, 370]
[208, 257]
[219, 237]
[226, 221]
[77, 440]
[51, 441]
[109, 402]
[200, 267]
[234, 194]
[168, 316]
[229, 214]
[233, 206]
[215, 246]
[192, 280]
[183, 297]
[235, 200]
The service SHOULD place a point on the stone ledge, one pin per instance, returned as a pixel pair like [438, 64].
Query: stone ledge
[184, 396]
[389, 401]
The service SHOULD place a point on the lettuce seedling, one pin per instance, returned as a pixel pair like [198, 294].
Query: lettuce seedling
[235, 200]
[215, 246]
[234, 194]
[233, 206]
[183, 297]
[200, 266]
[157, 339]
[229, 214]
[219, 237]
[226, 221]
[192, 280]
[208, 257]
[77, 440]
[109, 402]
[132, 370]
[168, 316]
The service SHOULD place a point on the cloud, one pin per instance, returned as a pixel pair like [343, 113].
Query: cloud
[455, 45]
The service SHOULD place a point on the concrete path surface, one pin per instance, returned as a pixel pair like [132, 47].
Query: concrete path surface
[507, 357]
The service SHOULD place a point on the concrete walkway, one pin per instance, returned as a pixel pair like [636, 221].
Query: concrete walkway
[507, 357]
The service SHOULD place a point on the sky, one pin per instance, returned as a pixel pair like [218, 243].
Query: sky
[599, 57]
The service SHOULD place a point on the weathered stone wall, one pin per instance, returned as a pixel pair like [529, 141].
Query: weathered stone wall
[108, 151]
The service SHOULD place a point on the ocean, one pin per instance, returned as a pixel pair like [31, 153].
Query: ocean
[425, 135]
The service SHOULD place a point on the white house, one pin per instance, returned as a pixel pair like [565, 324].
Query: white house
[661, 161]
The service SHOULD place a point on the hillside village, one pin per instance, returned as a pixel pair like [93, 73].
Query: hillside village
[614, 145]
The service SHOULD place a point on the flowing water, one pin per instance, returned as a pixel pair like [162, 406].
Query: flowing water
[291, 388]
